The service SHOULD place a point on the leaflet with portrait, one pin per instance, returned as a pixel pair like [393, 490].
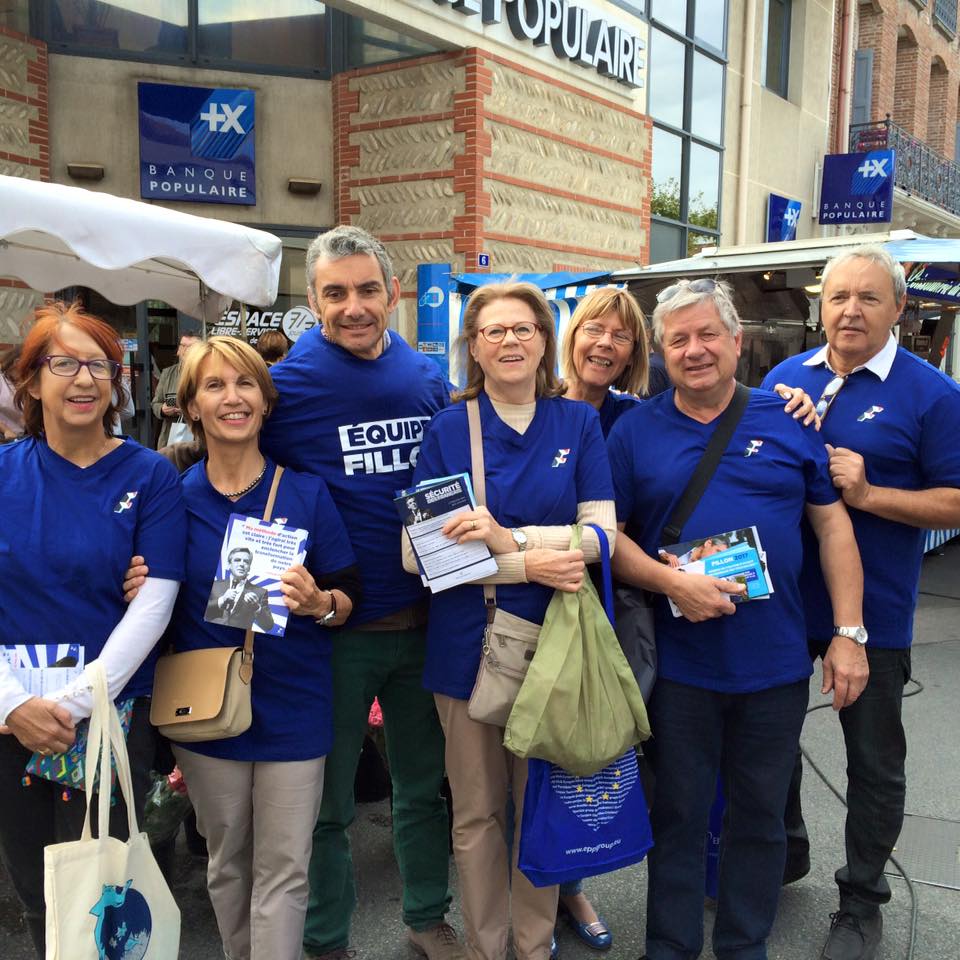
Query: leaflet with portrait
[734, 555]
[424, 509]
[246, 587]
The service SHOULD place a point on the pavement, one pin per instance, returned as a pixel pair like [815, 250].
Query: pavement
[932, 720]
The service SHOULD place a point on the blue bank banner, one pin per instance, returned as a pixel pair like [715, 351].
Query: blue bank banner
[783, 214]
[857, 187]
[196, 144]
[934, 283]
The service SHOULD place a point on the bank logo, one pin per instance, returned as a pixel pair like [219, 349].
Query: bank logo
[124, 924]
[561, 457]
[221, 125]
[791, 216]
[869, 414]
[753, 447]
[872, 174]
[126, 502]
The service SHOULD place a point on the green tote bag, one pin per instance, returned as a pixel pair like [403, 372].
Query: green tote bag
[579, 706]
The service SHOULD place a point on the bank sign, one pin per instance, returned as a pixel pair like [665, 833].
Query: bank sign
[783, 215]
[196, 144]
[934, 283]
[576, 32]
[857, 187]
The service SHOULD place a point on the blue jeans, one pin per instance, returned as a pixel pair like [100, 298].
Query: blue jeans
[752, 739]
[876, 782]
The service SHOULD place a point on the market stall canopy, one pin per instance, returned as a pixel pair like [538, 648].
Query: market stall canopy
[53, 236]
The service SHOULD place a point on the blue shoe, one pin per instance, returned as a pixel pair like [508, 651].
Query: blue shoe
[554, 949]
[595, 935]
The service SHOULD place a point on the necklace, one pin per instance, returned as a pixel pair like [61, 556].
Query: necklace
[249, 486]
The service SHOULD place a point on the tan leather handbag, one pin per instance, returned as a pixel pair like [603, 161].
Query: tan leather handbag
[205, 694]
[509, 642]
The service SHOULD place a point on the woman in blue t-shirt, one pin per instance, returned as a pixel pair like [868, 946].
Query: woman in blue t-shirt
[257, 795]
[545, 469]
[75, 503]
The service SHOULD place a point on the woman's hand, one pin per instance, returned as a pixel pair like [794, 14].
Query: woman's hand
[479, 524]
[301, 593]
[134, 577]
[560, 569]
[42, 725]
[799, 403]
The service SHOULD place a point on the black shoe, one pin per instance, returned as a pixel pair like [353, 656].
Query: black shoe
[852, 938]
[795, 868]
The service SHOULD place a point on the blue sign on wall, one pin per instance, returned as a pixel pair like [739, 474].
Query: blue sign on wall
[196, 144]
[857, 187]
[934, 283]
[783, 214]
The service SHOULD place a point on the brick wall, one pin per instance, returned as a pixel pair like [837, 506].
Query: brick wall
[916, 70]
[24, 148]
[452, 155]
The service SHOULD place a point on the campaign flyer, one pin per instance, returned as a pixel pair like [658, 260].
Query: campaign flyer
[246, 588]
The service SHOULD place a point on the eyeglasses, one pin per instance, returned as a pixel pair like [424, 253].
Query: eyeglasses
[496, 332]
[100, 369]
[829, 394]
[595, 331]
[704, 285]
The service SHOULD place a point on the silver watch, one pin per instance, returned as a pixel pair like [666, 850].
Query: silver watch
[519, 538]
[852, 633]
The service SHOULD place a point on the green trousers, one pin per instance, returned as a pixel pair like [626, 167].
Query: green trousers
[387, 665]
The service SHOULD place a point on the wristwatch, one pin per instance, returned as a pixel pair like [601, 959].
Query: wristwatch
[852, 633]
[519, 538]
[331, 613]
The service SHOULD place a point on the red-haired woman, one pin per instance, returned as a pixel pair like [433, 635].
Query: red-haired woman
[75, 504]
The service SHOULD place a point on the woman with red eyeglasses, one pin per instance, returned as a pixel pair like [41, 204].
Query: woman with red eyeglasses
[76, 503]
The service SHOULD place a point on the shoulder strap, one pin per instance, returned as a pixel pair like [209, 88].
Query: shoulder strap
[246, 660]
[708, 464]
[480, 488]
[605, 569]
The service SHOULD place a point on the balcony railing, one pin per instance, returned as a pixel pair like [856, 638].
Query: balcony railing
[919, 170]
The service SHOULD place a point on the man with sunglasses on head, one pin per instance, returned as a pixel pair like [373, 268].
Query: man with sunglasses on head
[733, 679]
[887, 417]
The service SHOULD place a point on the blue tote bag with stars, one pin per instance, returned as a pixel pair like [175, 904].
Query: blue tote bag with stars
[577, 827]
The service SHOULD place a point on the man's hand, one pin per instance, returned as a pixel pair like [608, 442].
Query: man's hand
[560, 569]
[845, 671]
[849, 475]
[134, 578]
[169, 411]
[229, 597]
[800, 404]
[700, 597]
[42, 725]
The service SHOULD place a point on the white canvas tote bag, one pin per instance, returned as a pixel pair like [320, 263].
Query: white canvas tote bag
[106, 899]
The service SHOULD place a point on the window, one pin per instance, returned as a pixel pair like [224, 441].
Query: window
[777, 46]
[292, 37]
[686, 79]
[945, 15]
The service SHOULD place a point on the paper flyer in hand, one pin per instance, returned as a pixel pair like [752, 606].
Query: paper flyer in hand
[424, 510]
[733, 555]
[44, 667]
[246, 589]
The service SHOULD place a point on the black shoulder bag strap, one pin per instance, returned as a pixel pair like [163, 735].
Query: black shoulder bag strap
[707, 466]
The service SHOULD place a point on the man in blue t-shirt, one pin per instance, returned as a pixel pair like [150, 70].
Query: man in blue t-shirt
[889, 419]
[354, 401]
[733, 677]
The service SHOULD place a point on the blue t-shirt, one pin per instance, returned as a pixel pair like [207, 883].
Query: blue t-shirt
[292, 685]
[66, 538]
[534, 478]
[358, 424]
[905, 428]
[614, 406]
[771, 469]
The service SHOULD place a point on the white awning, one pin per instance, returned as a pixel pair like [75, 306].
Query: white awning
[53, 236]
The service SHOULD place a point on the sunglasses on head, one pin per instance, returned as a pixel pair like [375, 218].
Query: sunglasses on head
[704, 285]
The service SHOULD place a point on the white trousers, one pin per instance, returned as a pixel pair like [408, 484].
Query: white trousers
[258, 821]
